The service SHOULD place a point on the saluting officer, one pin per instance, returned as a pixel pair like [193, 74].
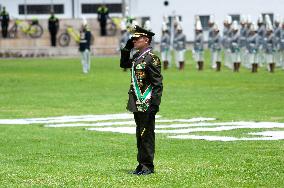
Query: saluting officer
[144, 95]
[53, 27]
[4, 18]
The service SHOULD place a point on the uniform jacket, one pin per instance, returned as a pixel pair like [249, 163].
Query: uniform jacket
[261, 33]
[4, 18]
[277, 35]
[243, 36]
[235, 42]
[282, 40]
[198, 42]
[253, 43]
[102, 14]
[147, 70]
[165, 42]
[179, 41]
[269, 44]
[210, 36]
[53, 24]
[226, 37]
[85, 40]
[216, 42]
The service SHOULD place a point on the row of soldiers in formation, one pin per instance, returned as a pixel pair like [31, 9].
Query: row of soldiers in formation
[179, 41]
[247, 43]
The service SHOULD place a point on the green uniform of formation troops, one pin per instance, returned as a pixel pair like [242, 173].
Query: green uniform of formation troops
[144, 95]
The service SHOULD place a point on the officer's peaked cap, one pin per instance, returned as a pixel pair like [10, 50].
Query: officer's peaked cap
[139, 31]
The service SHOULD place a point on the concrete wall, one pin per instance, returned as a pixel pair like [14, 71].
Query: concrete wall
[12, 7]
[155, 9]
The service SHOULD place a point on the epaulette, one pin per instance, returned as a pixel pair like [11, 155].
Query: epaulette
[155, 59]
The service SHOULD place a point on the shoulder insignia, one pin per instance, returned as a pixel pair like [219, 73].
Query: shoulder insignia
[156, 61]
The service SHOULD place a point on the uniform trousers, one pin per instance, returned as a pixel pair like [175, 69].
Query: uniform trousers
[252, 59]
[53, 38]
[86, 60]
[179, 56]
[4, 30]
[145, 136]
[166, 56]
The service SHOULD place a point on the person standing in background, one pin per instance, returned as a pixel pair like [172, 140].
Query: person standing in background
[179, 47]
[235, 47]
[165, 47]
[5, 19]
[269, 45]
[216, 48]
[102, 18]
[211, 24]
[53, 27]
[198, 46]
[252, 48]
[84, 46]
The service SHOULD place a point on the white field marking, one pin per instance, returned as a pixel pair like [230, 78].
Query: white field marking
[267, 135]
[132, 123]
[248, 125]
[100, 124]
[127, 130]
[186, 120]
[65, 119]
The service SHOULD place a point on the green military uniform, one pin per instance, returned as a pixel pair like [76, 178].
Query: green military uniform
[144, 99]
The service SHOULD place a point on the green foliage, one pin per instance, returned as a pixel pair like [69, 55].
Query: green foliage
[34, 156]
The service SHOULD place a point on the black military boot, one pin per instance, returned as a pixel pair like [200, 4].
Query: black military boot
[272, 66]
[181, 65]
[166, 64]
[218, 68]
[255, 68]
[200, 65]
[238, 66]
[137, 170]
[235, 67]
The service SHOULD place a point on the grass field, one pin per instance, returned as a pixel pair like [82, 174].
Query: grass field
[36, 156]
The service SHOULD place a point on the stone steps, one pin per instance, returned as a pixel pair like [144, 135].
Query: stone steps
[25, 46]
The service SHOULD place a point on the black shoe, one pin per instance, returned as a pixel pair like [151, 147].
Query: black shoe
[137, 170]
[145, 172]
